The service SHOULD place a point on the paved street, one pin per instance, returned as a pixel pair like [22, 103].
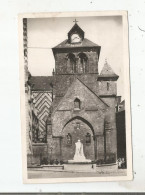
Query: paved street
[65, 174]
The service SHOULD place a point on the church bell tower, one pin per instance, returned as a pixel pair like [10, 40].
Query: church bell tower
[76, 57]
[76, 54]
[107, 85]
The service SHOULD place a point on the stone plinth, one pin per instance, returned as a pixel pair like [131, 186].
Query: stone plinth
[79, 160]
[80, 167]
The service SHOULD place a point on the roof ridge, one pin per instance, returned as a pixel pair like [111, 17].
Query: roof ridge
[76, 78]
[92, 91]
[85, 43]
[74, 26]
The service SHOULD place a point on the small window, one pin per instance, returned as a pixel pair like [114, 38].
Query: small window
[69, 139]
[108, 86]
[77, 104]
[88, 138]
[77, 125]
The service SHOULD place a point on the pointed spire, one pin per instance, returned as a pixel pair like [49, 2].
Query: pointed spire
[107, 71]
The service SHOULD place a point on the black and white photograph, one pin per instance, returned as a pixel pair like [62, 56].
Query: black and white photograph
[75, 97]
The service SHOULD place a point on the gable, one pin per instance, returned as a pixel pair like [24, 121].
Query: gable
[88, 99]
[76, 29]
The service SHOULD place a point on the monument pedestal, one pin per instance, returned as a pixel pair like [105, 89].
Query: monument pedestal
[79, 161]
[79, 156]
[74, 167]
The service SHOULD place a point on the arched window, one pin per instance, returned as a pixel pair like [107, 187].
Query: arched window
[82, 63]
[69, 139]
[88, 138]
[71, 63]
[78, 126]
[77, 104]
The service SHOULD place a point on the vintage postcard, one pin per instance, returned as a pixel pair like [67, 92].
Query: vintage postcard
[75, 97]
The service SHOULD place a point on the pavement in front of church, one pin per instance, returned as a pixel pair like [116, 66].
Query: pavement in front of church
[68, 174]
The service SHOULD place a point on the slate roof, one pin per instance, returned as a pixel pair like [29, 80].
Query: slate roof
[107, 71]
[77, 28]
[93, 92]
[84, 43]
[41, 83]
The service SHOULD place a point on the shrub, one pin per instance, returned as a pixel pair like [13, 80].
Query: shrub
[51, 162]
[56, 162]
[44, 161]
[100, 162]
[61, 162]
[110, 158]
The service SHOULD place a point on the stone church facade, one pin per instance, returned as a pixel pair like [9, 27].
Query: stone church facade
[83, 103]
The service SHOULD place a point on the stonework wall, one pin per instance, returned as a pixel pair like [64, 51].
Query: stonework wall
[92, 109]
[39, 152]
[111, 89]
[91, 116]
[61, 60]
[111, 137]
[63, 82]
[110, 101]
[100, 147]
[56, 149]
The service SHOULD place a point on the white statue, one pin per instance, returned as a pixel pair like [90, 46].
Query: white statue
[79, 148]
[79, 153]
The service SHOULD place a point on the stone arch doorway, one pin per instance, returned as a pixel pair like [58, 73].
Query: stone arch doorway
[77, 128]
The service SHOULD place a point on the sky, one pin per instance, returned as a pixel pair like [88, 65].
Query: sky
[46, 33]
